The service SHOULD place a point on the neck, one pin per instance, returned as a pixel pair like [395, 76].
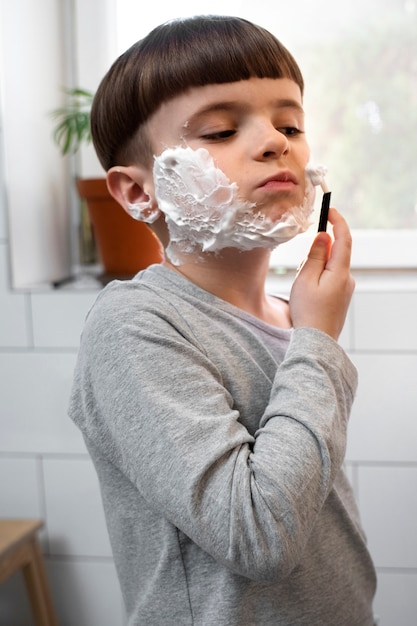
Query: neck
[238, 278]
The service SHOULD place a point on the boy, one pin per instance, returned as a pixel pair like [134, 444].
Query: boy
[215, 414]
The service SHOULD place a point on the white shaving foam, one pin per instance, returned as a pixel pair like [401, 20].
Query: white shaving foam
[204, 213]
[143, 211]
[316, 173]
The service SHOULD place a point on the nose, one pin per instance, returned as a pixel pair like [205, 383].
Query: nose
[270, 142]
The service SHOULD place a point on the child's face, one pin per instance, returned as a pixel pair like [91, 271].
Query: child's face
[230, 167]
[253, 129]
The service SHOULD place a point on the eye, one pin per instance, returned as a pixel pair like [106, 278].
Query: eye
[290, 131]
[219, 135]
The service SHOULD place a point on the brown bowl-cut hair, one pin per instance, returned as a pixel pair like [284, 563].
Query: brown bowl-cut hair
[172, 58]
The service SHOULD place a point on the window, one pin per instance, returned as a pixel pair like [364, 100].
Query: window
[359, 60]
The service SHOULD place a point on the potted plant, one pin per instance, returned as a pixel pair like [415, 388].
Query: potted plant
[125, 246]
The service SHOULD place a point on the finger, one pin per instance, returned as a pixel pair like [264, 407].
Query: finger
[342, 245]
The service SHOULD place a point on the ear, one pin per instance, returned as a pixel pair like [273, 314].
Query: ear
[132, 187]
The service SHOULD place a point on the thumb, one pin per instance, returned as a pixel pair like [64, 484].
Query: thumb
[318, 254]
[320, 248]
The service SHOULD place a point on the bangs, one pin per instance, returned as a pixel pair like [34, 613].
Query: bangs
[212, 50]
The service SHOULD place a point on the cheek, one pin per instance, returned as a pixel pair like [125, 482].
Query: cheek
[233, 166]
[304, 159]
[304, 153]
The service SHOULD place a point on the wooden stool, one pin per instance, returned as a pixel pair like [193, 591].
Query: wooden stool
[19, 549]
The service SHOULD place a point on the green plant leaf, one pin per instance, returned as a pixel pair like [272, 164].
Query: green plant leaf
[72, 128]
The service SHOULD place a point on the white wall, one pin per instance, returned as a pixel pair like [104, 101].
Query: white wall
[31, 64]
[38, 59]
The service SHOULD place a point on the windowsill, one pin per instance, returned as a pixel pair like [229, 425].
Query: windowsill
[380, 280]
[83, 279]
[381, 261]
[279, 279]
[382, 250]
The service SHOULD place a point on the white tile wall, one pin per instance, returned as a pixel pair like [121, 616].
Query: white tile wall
[58, 318]
[45, 471]
[14, 314]
[396, 600]
[383, 422]
[387, 321]
[3, 224]
[73, 508]
[21, 487]
[34, 399]
[388, 502]
[86, 593]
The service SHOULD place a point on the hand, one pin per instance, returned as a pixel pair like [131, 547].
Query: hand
[323, 287]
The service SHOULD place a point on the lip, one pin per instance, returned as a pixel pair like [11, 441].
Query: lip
[281, 180]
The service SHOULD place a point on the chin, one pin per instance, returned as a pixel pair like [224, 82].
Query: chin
[275, 214]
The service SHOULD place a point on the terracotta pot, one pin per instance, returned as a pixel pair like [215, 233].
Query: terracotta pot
[125, 246]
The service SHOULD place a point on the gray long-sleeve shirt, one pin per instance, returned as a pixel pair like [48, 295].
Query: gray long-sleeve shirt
[219, 457]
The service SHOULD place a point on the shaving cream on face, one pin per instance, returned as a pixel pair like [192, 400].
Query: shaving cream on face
[204, 213]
